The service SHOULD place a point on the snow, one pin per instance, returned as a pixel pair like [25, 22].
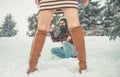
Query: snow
[103, 59]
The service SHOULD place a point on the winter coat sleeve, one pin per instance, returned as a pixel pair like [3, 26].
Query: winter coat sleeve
[60, 38]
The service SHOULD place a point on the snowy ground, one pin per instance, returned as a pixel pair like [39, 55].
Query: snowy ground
[103, 59]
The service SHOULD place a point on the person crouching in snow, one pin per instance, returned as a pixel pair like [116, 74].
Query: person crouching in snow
[67, 50]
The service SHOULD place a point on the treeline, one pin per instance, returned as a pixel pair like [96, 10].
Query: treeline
[95, 19]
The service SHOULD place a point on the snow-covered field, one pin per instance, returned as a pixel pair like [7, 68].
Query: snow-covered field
[103, 59]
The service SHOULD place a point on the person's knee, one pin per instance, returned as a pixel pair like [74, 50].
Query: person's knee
[64, 42]
[75, 26]
[43, 28]
[53, 50]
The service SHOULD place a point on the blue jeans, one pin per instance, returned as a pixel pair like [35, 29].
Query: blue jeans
[67, 50]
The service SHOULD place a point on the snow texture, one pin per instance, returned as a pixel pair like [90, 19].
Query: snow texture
[103, 59]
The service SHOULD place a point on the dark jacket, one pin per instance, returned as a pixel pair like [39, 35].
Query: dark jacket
[61, 37]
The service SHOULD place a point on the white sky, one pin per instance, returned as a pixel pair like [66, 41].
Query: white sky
[20, 10]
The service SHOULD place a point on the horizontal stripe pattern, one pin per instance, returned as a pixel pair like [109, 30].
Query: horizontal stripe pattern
[57, 4]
